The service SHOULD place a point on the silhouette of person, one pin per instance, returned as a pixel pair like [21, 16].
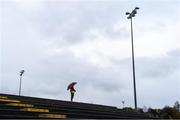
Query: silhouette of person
[72, 90]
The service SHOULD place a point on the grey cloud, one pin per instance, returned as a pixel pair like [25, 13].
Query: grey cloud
[120, 34]
[107, 87]
[72, 21]
[51, 75]
[156, 78]
[159, 77]
[159, 67]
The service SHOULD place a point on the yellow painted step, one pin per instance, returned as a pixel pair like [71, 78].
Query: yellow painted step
[34, 110]
[3, 97]
[52, 116]
[19, 105]
[7, 100]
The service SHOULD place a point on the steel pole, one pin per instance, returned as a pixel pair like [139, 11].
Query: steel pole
[20, 85]
[133, 65]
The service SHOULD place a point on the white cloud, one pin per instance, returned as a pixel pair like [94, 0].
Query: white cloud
[156, 38]
[28, 5]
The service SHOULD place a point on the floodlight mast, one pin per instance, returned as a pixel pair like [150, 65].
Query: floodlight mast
[130, 16]
[21, 73]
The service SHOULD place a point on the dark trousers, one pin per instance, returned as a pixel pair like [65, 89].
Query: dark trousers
[72, 95]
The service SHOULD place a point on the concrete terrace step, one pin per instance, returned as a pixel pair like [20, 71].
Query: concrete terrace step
[65, 111]
[58, 102]
[32, 107]
[5, 112]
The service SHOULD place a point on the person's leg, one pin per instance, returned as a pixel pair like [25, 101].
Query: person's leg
[72, 96]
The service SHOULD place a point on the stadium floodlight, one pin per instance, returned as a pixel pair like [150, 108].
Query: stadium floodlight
[22, 72]
[130, 16]
[127, 13]
[137, 8]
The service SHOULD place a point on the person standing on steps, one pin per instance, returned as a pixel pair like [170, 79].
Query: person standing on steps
[72, 90]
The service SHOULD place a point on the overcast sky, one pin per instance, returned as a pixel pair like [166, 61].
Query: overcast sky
[88, 41]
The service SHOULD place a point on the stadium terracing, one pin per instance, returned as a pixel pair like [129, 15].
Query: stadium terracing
[13, 106]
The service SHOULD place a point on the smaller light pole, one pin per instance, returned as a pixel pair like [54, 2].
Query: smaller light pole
[21, 73]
